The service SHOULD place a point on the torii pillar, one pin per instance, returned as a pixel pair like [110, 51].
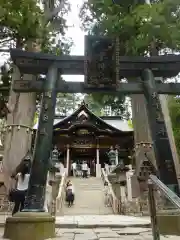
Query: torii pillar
[141, 127]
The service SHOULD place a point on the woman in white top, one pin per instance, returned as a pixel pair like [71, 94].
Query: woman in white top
[22, 185]
[84, 169]
[70, 193]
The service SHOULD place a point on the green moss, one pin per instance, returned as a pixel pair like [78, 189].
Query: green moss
[37, 226]
[169, 224]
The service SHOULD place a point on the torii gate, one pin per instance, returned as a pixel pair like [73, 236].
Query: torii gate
[99, 78]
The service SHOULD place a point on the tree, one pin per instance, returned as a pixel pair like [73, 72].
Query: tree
[141, 29]
[137, 25]
[106, 105]
[27, 26]
[93, 105]
[67, 103]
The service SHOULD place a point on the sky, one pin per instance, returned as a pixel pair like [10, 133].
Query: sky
[76, 34]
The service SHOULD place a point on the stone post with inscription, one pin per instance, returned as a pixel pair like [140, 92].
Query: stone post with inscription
[33, 215]
[160, 140]
[67, 160]
[36, 191]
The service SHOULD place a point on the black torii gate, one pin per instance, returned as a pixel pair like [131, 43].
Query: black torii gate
[94, 65]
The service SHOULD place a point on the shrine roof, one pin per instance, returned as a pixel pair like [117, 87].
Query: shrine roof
[114, 122]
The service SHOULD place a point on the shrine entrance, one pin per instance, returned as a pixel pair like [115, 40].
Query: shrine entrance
[104, 69]
[83, 136]
[85, 154]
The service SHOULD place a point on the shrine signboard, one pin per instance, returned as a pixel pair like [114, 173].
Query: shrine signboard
[101, 59]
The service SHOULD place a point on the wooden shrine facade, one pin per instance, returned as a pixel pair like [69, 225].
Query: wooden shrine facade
[84, 136]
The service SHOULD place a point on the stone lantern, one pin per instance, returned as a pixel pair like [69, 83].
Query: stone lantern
[53, 162]
[54, 181]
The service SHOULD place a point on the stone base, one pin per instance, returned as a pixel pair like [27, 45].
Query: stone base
[30, 225]
[169, 224]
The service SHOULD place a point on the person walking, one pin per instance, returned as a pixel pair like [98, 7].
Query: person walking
[93, 168]
[84, 169]
[78, 169]
[22, 179]
[70, 194]
[106, 194]
[74, 168]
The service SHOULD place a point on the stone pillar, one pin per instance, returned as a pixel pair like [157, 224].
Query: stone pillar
[98, 169]
[123, 194]
[67, 160]
[141, 126]
[123, 200]
[117, 157]
[164, 105]
[128, 182]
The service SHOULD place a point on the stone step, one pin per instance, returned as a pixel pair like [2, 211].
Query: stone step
[88, 186]
[92, 189]
[88, 190]
[96, 220]
[89, 198]
[87, 211]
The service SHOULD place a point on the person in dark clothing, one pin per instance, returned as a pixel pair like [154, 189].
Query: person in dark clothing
[69, 194]
[22, 179]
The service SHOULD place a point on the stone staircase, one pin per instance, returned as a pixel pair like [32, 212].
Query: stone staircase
[89, 198]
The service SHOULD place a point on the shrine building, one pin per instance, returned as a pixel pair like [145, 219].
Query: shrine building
[85, 136]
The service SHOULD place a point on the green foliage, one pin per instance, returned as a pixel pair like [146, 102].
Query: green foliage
[5, 80]
[114, 101]
[174, 109]
[20, 19]
[140, 27]
[50, 45]
[95, 106]
[137, 25]
[67, 103]
[24, 20]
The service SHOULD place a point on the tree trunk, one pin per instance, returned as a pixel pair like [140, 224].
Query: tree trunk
[141, 126]
[140, 119]
[18, 139]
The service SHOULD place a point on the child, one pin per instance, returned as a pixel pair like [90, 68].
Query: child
[106, 194]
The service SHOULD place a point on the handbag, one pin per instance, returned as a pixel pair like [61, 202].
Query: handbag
[13, 191]
[12, 195]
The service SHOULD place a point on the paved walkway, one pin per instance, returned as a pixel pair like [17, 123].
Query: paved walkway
[107, 227]
[89, 198]
[91, 221]
[108, 234]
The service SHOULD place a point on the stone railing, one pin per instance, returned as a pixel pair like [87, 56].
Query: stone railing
[114, 201]
[61, 193]
[5, 205]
